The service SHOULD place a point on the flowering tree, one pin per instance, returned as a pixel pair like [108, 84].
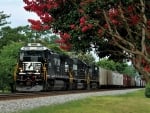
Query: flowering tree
[115, 28]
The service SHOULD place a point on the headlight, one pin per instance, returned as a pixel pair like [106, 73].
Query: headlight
[21, 70]
[37, 71]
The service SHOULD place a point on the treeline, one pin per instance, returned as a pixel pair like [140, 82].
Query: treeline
[121, 67]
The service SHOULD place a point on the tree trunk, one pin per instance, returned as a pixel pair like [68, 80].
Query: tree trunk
[145, 76]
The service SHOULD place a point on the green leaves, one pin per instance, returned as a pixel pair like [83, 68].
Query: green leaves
[8, 60]
[147, 90]
[3, 18]
[116, 66]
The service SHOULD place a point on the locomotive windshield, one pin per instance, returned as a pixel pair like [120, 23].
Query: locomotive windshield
[35, 56]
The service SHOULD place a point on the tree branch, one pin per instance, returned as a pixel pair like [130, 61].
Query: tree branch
[143, 28]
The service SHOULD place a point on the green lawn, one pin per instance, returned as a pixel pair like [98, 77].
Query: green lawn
[129, 103]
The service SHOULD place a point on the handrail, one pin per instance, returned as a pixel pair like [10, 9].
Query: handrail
[70, 76]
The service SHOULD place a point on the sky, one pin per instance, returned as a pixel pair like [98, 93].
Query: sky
[18, 15]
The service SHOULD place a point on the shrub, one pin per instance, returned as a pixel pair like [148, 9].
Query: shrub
[147, 90]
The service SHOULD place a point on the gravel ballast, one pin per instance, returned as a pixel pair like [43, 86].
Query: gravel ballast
[9, 106]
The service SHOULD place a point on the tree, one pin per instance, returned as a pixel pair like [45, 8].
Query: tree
[9, 35]
[123, 68]
[8, 60]
[122, 26]
[86, 57]
[107, 64]
[25, 34]
[3, 18]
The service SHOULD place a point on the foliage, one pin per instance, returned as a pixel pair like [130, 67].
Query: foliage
[116, 66]
[25, 34]
[86, 57]
[54, 47]
[116, 29]
[3, 18]
[130, 70]
[107, 64]
[147, 90]
[9, 34]
[8, 60]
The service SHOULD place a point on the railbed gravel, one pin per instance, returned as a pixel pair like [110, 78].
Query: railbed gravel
[9, 106]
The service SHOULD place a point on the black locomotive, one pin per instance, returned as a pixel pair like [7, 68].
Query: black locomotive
[41, 69]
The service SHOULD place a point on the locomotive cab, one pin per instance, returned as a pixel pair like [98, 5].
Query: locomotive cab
[30, 73]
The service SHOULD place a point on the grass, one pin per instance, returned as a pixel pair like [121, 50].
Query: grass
[128, 103]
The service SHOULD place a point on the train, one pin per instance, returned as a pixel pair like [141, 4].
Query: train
[41, 69]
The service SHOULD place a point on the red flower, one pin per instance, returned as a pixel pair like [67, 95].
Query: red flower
[90, 26]
[134, 19]
[113, 12]
[66, 36]
[60, 41]
[114, 21]
[34, 22]
[46, 27]
[36, 27]
[82, 24]
[49, 6]
[84, 29]
[46, 18]
[72, 26]
[148, 22]
[82, 20]
[147, 68]
[106, 26]
[28, 7]
[100, 31]
[130, 9]
[66, 47]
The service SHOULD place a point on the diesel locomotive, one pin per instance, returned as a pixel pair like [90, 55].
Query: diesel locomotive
[41, 69]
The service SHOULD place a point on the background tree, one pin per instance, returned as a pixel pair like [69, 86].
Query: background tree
[107, 64]
[8, 60]
[9, 35]
[87, 57]
[117, 29]
[3, 18]
[123, 68]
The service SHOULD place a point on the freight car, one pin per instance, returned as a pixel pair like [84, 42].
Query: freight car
[41, 69]
[111, 79]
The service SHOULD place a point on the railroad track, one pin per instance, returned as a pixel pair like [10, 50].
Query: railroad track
[13, 96]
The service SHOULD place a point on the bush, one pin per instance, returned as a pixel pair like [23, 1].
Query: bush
[147, 90]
